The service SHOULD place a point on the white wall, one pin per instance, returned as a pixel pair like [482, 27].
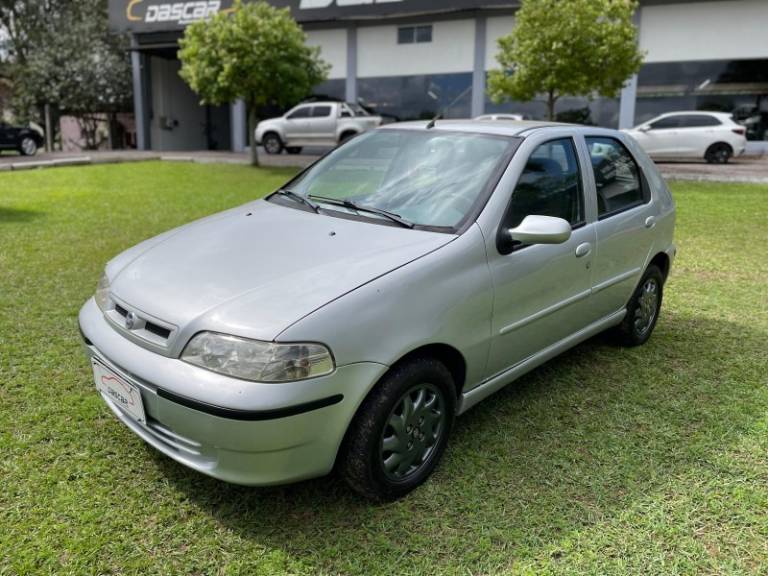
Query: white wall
[497, 27]
[451, 50]
[705, 31]
[333, 46]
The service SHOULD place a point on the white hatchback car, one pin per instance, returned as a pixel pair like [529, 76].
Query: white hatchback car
[713, 136]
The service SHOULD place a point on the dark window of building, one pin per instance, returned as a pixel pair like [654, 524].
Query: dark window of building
[417, 97]
[698, 121]
[550, 185]
[321, 111]
[302, 112]
[617, 176]
[424, 33]
[666, 123]
[411, 34]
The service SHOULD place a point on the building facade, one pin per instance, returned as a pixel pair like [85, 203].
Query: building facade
[409, 59]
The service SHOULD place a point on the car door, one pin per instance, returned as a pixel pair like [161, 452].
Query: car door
[625, 221]
[297, 123]
[696, 133]
[661, 139]
[7, 136]
[541, 292]
[322, 124]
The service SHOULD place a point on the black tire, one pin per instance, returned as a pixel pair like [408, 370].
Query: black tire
[643, 310]
[366, 464]
[294, 149]
[718, 153]
[272, 143]
[28, 146]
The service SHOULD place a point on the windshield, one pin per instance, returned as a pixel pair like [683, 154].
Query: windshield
[427, 178]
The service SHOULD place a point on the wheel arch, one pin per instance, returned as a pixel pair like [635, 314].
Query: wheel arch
[663, 262]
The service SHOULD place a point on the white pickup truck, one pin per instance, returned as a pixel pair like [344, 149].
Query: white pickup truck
[314, 124]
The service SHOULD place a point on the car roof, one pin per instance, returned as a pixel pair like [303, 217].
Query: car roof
[510, 128]
[697, 113]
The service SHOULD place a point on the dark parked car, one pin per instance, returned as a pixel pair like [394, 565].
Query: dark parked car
[25, 140]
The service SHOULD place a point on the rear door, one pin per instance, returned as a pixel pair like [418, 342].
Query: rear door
[625, 221]
[696, 133]
[322, 124]
[541, 292]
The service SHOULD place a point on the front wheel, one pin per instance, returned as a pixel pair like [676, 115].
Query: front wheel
[272, 143]
[642, 310]
[400, 431]
[28, 146]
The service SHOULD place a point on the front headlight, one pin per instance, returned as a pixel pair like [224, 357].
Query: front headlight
[258, 361]
[102, 292]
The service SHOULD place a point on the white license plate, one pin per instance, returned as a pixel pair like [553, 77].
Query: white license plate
[121, 393]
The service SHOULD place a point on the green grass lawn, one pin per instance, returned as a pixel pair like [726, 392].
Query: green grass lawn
[605, 461]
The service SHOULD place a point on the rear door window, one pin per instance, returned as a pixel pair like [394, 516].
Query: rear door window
[618, 178]
[321, 111]
[698, 121]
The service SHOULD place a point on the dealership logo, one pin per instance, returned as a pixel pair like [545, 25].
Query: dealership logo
[310, 4]
[175, 12]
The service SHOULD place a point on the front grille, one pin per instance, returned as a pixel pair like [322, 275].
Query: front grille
[139, 324]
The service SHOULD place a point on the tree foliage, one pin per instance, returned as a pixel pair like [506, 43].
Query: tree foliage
[63, 54]
[567, 48]
[256, 53]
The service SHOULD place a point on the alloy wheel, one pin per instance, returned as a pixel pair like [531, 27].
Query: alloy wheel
[647, 307]
[28, 146]
[413, 431]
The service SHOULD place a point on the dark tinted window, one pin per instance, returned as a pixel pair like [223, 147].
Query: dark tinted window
[668, 122]
[617, 176]
[321, 111]
[406, 35]
[550, 185]
[698, 121]
[302, 112]
[424, 33]
[411, 34]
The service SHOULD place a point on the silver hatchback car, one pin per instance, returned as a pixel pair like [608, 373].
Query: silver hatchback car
[346, 319]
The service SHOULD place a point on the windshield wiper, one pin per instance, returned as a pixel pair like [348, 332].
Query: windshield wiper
[396, 218]
[299, 198]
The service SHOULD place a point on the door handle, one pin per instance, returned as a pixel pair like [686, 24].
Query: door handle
[583, 249]
[650, 222]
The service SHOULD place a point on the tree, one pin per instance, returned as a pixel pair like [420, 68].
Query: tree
[63, 54]
[567, 47]
[256, 53]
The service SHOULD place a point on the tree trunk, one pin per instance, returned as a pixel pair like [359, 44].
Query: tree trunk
[48, 129]
[551, 100]
[252, 134]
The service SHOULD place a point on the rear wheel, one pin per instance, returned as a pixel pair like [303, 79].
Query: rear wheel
[718, 153]
[642, 310]
[294, 149]
[272, 143]
[28, 146]
[400, 431]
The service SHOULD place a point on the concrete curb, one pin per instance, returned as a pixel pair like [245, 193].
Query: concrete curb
[712, 178]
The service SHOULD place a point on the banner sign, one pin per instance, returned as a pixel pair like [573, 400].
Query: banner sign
[168, 15]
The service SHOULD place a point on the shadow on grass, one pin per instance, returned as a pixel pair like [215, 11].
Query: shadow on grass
[18, 215]
[569, 445]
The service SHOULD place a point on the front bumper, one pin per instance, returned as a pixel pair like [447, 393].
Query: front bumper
[242, 432]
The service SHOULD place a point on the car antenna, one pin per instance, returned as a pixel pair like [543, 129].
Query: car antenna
[442, 110]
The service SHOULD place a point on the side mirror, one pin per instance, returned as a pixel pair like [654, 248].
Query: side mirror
[643, 128]
[541, 230]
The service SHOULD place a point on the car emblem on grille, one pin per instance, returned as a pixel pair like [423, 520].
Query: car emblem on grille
[130, 320]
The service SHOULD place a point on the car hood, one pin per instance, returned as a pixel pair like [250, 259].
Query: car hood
[255, 270]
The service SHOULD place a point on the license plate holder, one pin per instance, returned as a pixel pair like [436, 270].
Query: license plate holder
[120, 392]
